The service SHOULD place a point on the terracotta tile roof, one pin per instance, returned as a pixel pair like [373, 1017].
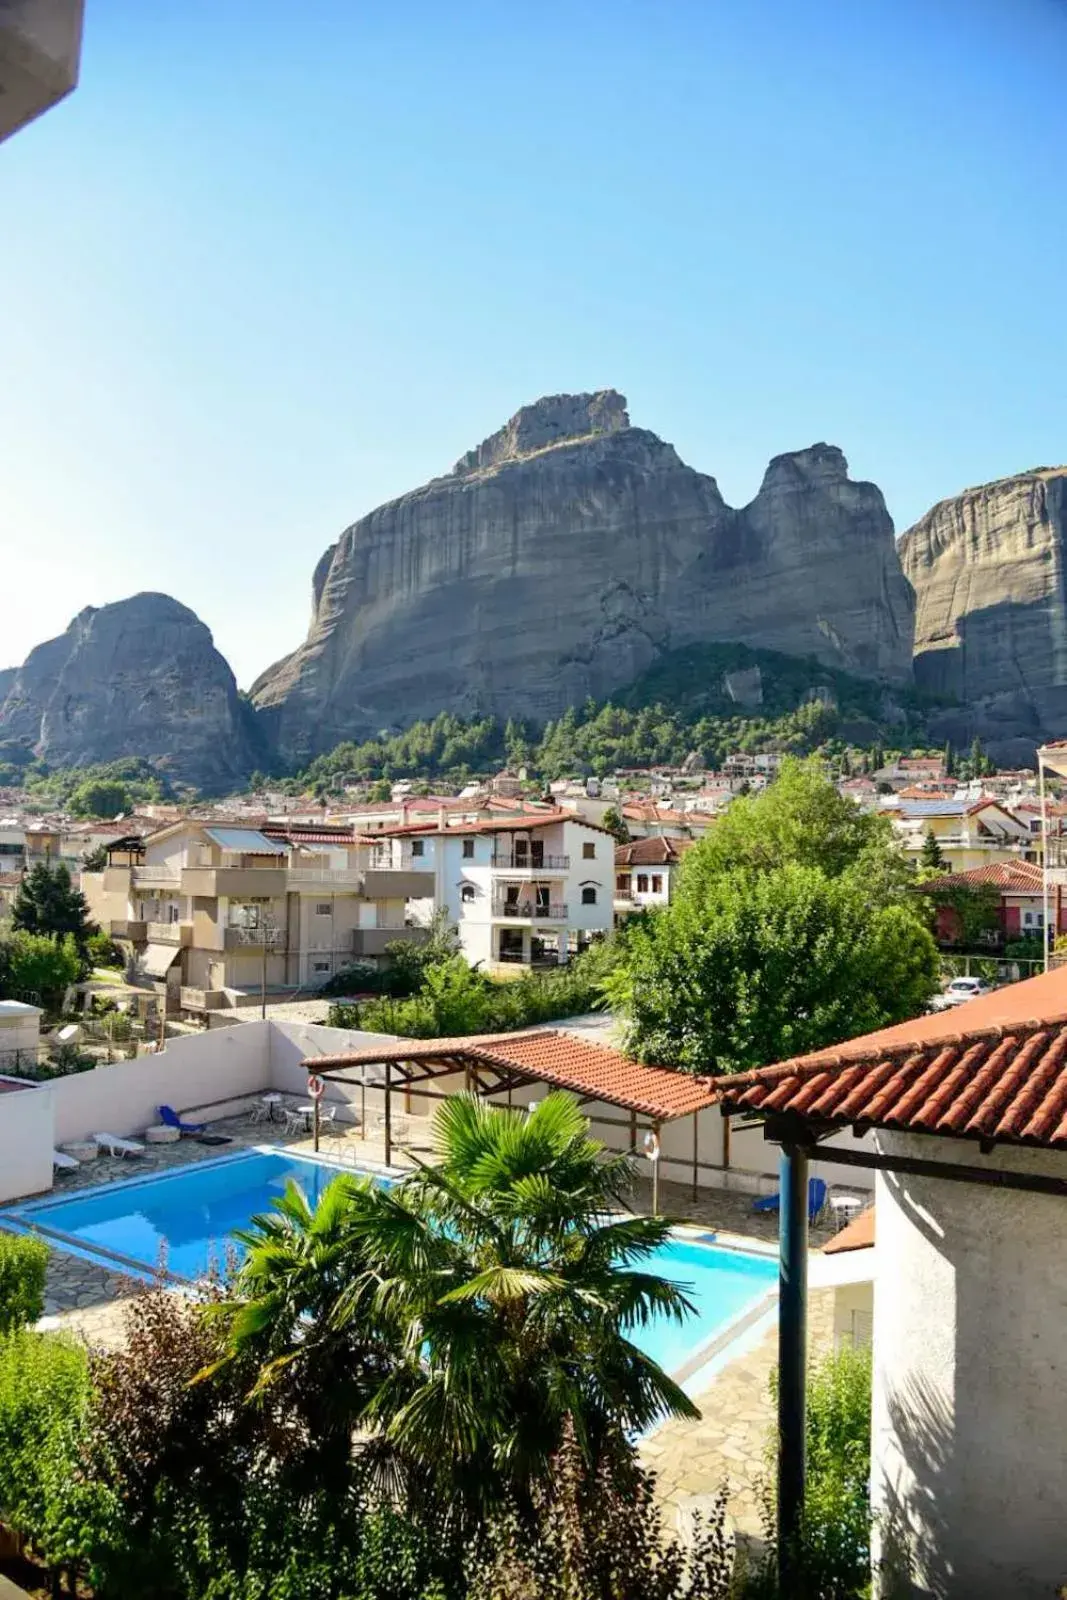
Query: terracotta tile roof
[520, 824]
[1020, 877]
[555, 1058]
[656, 851]
[858, 1235]
[993, 1069]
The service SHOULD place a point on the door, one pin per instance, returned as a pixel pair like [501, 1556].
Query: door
[368, 914]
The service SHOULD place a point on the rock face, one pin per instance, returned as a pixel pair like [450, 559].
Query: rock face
[987, 568]
[560, 557]
[141, 677]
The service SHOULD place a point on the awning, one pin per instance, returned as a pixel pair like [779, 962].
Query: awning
[159, 958]
[246, 841]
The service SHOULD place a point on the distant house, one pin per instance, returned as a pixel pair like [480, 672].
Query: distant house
[1020, 887]
[645, 871]
[970, 833]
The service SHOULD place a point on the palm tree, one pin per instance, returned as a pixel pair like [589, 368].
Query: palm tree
[518, 1283]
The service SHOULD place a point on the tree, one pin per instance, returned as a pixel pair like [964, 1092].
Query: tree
[949, 759]
[48, 903]
[95, 860]
[101, 797]
[769, 966]
[613, 821]
[932, 854]
[35, 964]
[498, 1288]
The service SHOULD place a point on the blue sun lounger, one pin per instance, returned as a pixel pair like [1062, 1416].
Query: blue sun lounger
[816, 1199]
[170, 1119]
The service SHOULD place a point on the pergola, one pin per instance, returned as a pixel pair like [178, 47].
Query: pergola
[506, 1063]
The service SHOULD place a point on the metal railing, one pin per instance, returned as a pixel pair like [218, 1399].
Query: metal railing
[147, 876]
[546, 910]
[237, 937]
[326, 877]
[509, 861]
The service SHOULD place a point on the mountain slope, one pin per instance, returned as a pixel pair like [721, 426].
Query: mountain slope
[140, 677]
[560, 558]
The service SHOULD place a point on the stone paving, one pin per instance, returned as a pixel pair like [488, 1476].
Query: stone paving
[728, 1444]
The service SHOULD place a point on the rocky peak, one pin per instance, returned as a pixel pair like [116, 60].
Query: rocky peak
[819, 464]
[554, 419]
[140, 677]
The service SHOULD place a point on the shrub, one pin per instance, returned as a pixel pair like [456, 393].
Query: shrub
[104, 952]
[44, 1389]
[23, 1265]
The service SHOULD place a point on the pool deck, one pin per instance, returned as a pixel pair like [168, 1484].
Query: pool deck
[691, 1459]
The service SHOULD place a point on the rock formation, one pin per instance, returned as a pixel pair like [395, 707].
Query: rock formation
[987, 568]
[141, 677]
[560, 557]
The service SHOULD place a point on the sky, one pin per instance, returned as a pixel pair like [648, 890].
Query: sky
[271, 265]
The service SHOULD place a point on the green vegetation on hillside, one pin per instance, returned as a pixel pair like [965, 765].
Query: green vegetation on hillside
[679, 705]
[104, 790]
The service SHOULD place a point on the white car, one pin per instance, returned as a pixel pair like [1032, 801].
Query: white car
[958, 992]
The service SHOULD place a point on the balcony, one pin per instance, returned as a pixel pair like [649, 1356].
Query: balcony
[124, 929]
[324, 878]
[523, 862]
[234, 882]
[373, 941]
[179, 933]
[202, 999]
[235, 938]
[530, 910]
[158, 877]
[398, 883]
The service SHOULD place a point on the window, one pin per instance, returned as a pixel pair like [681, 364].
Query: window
[657, 883]
[622, 883]
[589, 895]
[589, 850]
[642, 883]
[467, 893]
[320, 966]
[468, 849]
[323, 908]
[417, 846]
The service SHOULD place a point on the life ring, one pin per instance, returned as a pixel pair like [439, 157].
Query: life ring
[652, 1146]
[316, 1086]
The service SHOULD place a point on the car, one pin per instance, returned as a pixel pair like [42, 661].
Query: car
[958, 992]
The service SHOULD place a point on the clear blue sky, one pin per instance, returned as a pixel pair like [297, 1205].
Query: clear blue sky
[273, 264]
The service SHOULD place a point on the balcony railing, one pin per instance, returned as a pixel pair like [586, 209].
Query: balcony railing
[508, 861]
[531, 910]
[241, 938]
[146, 877]
[169, 932]
[326, 877]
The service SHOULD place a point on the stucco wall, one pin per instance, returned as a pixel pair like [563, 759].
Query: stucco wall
[969, 1470]
[26, 1142]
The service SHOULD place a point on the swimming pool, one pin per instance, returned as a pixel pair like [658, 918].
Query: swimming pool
[185, 1218]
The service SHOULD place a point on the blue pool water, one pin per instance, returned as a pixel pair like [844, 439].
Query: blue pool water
[184, 1220]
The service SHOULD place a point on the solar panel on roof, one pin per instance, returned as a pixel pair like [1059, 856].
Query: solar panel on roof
[249, 841]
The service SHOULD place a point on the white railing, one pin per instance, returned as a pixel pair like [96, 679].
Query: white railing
[147, 876]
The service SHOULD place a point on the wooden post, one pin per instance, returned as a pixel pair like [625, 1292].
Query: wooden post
[725, 1140]
[466, 1077]
[363, 1102]
[315, 1121]
[696, 1149]
[633, 1130]
[388, 1115]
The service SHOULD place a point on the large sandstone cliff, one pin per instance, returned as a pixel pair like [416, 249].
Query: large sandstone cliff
[140, 677]
[561, 557]
[987, 568]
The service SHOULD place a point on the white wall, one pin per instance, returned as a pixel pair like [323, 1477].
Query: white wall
[217, 1069]
[26, 1141]
[969, 1470]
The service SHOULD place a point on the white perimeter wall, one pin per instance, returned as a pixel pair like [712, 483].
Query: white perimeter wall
[26, 1142]
[969, 1466]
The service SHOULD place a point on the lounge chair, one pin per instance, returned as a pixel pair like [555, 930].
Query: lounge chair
[816, 1199]
[64, 1163]
[171, 1119]
[116, 1146]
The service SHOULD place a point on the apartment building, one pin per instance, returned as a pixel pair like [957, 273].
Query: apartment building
[213, 914]
[969, 833]
[522, 891]
[645, 873]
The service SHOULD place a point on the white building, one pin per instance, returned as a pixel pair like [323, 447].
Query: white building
[645, 872]
[521, 891]
[968, 1116]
